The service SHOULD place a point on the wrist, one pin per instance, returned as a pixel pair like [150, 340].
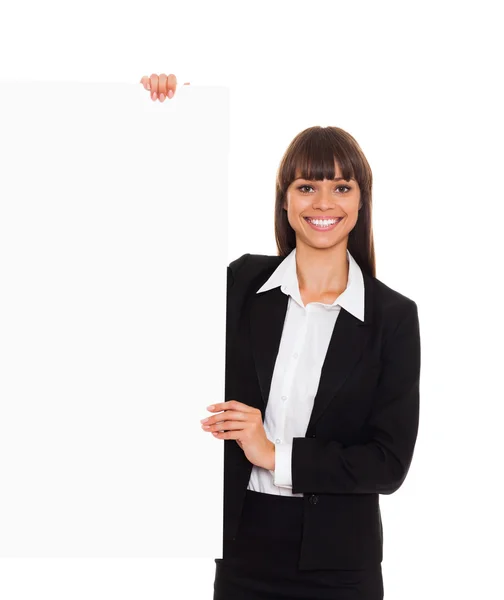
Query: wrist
[271, 466]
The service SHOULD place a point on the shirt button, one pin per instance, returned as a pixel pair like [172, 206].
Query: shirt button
[295, 355]
[277, 441]
[284, 398]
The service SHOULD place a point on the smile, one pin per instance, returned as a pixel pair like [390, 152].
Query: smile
[322, 224]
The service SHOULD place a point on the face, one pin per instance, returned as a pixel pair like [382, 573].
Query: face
[313, 206]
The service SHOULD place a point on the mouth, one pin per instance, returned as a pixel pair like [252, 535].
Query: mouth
[322, 224]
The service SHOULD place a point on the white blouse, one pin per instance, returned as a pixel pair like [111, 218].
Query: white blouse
[305, 338]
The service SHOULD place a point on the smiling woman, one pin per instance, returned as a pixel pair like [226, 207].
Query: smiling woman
[330, 357]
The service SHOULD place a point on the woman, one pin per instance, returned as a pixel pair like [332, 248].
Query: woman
[322, 376]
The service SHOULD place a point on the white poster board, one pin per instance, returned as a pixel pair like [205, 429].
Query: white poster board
[113, 253]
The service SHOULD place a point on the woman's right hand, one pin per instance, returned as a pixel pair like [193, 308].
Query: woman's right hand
[160, 86]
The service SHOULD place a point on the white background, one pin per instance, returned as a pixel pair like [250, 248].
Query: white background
[419, 86]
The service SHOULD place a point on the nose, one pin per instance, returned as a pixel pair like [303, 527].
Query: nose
[324, 200]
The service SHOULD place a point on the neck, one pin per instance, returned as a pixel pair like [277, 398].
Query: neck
[321, 270]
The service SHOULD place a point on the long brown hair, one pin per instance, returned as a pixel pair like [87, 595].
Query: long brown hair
[311, 155]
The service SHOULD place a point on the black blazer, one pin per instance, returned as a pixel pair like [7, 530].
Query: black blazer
[361, 435]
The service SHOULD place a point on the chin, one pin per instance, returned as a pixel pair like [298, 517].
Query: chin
[322, 245]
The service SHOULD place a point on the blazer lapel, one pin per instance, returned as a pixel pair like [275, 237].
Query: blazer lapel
[348, 341]
[346, 348]
[267, 316]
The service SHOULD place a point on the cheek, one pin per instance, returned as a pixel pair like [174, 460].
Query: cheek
[291, 208]
[354, 215]
[353, 212]
[297, 206]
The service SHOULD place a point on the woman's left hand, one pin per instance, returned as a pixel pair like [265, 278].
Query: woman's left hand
[244, 424]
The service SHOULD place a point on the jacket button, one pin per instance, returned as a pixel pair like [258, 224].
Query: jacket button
[313, 435]
[313, 499]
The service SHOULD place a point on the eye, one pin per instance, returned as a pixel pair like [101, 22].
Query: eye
[339, 187]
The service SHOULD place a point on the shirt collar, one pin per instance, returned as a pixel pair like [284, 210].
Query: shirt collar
[351, 299]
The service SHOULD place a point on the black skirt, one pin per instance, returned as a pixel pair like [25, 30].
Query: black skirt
[261, 563]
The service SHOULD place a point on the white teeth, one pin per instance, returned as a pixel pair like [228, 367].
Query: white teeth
[323, 222]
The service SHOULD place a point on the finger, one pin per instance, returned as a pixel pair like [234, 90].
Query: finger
[162, 86]
[226, 426]
[154, 79]
[220, 424]
[145, 81]
[171, 85]
[227, 435]
[227, 415]
[232, 405]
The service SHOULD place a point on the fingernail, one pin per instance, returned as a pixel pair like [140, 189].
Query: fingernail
[210, 407]
[204, 420]
[148, 86]
[154, 95]
[170, 94]
[161, 97]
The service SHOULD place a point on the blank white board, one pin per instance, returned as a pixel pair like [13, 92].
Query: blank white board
[113, 254]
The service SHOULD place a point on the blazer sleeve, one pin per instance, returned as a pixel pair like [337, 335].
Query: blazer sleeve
[233, 267]
[233, 301]
[381, 464]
